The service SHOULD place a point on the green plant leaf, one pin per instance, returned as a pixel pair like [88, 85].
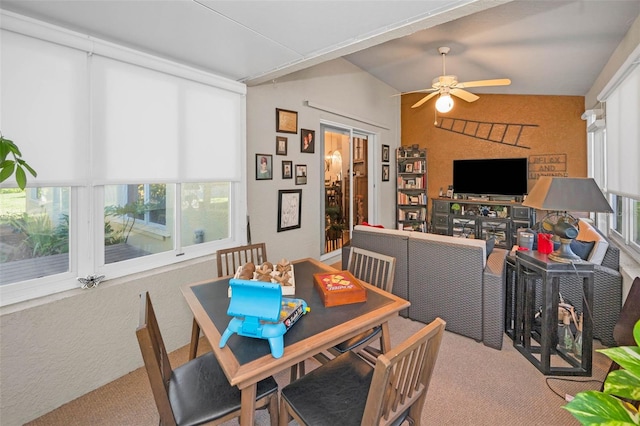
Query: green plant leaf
[628, 357]
[16, 166]
[7, 169]
[21, 177]
[623, 383]
[4, 150]
[596, 408]
[30, 169]
[636, 333]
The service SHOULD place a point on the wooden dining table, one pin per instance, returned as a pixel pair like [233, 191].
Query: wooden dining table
[247, 360]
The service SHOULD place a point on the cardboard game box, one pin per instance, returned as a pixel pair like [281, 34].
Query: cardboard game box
[339, 288]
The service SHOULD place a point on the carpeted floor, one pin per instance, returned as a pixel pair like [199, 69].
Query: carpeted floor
[472, 385]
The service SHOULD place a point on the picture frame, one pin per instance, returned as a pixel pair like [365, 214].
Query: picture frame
[264, 167]
[287, 167]
[301, 174]
[286, 121]
[289, 209]
[385, 173]
[281, 145]
[408, 168]
[385, 153]
[307, 141]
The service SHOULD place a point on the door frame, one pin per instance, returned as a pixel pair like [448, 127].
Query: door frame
[374, 156]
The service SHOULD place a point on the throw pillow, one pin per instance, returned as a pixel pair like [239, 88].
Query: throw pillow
[586, 232]
[582, 248]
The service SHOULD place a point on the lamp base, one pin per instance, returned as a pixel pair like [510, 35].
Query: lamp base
[564, 254]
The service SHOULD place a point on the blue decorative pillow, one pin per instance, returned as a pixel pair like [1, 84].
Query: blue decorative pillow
[582, 248]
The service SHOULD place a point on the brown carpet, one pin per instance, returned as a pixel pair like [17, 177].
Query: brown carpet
[472, 385]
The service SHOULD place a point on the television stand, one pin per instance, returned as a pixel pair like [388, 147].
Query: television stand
[497, 216]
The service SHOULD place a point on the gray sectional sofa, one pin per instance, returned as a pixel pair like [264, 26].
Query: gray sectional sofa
[442, 276]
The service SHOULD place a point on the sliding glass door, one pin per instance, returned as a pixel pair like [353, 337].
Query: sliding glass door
[346, 184]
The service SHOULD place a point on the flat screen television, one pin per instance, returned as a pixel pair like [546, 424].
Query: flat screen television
[495, 176]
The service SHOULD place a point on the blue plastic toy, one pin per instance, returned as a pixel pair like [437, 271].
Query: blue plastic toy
[259, 310]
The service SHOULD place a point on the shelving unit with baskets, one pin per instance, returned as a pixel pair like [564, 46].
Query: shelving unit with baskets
[411, 210]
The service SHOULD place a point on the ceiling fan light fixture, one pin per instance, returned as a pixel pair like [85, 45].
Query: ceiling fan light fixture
[444, 103]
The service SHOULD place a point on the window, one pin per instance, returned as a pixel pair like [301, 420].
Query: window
[625, 222]
[205, 212]
[618, 160]
[34, 230]
[139, 161]
[137, 221]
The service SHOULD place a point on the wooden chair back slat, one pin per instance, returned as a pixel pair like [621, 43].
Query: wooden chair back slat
[374, 268]
[401, 377]
[229, 260]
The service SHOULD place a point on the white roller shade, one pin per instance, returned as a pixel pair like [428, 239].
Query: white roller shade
[135, 123]
[149, 126]
[115, 115]
[623, 136]
[212, 148]
[43, 107]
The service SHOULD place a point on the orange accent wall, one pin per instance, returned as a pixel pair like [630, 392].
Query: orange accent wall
[547, 130]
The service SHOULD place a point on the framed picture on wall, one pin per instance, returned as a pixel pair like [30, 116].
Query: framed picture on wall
[264, 169]
[301, 174]
[289, 209]
[281, 145]
[287, 166]
[286, 121]
[385, 153]
[307, 140]
[385, 172]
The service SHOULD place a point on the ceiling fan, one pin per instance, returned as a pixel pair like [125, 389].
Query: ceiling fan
[447, 85]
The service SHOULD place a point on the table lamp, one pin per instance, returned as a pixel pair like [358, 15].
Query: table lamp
[561, 195]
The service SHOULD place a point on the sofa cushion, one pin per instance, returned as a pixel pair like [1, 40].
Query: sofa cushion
[588, 233]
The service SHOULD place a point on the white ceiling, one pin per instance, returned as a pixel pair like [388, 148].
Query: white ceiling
[545, 47]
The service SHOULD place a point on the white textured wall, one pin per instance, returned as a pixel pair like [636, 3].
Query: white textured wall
[343, 87]
[58, 348]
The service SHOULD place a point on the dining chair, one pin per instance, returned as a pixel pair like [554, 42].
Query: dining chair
[227, 262]
[349, 391]
[378, 270]
[198, 391]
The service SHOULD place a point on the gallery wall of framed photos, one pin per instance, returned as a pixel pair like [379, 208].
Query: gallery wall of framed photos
[286, 122]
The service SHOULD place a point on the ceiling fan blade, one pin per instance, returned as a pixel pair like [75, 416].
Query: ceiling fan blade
[482, 83]
[423, 100]
[414, 91]
[463, 94]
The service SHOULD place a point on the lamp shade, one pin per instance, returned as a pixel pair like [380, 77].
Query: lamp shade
[567, 194]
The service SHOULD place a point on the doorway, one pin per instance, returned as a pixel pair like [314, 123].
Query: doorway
[346, 184]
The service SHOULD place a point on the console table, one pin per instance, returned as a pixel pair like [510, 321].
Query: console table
[532, 266]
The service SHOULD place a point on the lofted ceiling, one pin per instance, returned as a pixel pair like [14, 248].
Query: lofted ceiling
[553, 47]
